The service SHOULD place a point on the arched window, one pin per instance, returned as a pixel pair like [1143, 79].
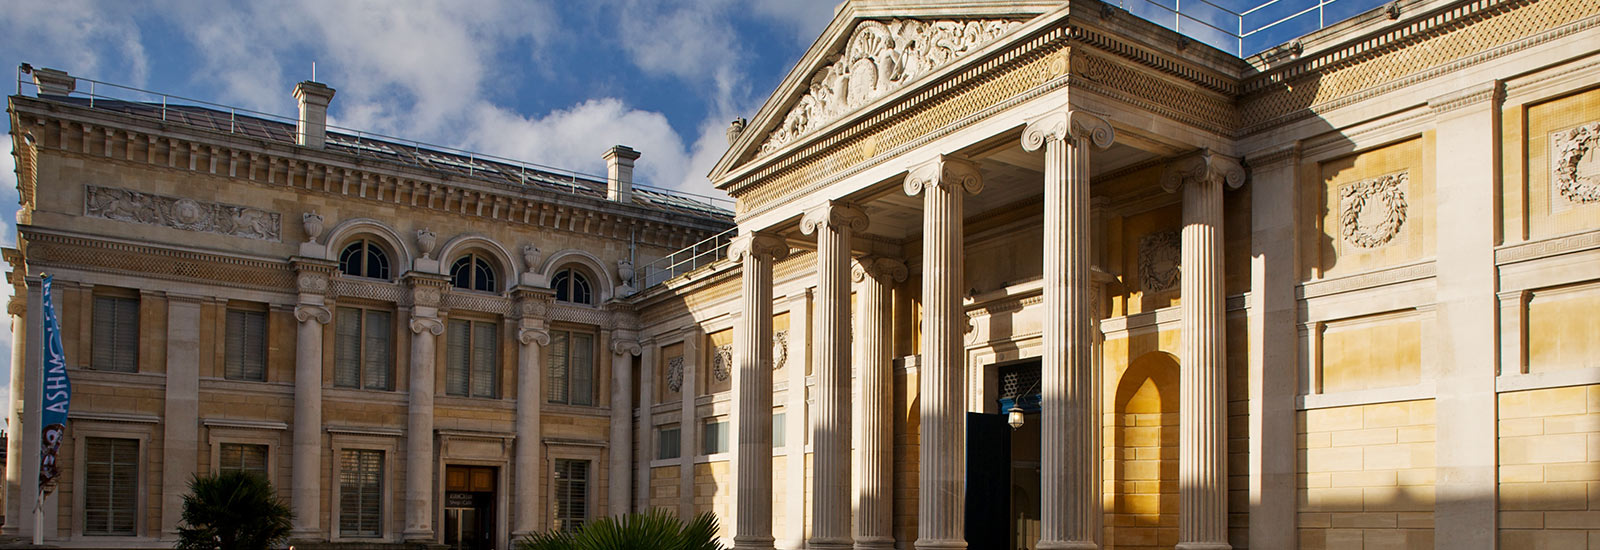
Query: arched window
[572, 287]
[472, 272]
[364, 258]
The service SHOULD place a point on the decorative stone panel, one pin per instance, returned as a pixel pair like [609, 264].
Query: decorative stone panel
[1573, 168]
[1158, 261]
[181, 213]
[1371, 212]
[675, 374]
[722, 363]
[780, 349]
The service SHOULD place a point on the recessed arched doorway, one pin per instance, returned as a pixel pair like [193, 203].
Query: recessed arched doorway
[1144, 465]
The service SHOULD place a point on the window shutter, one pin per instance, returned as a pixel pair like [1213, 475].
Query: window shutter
[558, 367]
[484, 364]
[377, 361]
[110, 485]
[582, 369]
[360, 493]
[347, 348]
[246, 346]
[457, 380]
[116, 334]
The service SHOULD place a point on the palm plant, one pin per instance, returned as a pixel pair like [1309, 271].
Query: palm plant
[653, 530]
[233, 510]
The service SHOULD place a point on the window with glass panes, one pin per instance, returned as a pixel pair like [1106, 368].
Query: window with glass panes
[363, 354]
[668, 442]
[571, 368]
[473, 356]
[571, 494]
[779, 431]
[715, 437]
[111, 486]
[246, 347]
[116, 334]
[360, 493]
[242, 457]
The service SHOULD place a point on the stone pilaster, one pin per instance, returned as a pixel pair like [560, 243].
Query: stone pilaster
[942, 387]
[1070, 423]
[650, 354]
[180, 420]
[833, 224]
[752, 387]
[532, 337]
[624, 347]
[689, 425]
[1274, 347]
[1202, 385]
[796, 422]
[305, 478]
[22, 491]
[425, 327]
[18, 308]
[874, 340]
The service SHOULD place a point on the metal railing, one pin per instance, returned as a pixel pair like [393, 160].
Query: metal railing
[691, 258]
[169, 108]
[1243, 29]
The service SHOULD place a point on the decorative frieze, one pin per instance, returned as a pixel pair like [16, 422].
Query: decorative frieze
[1158, 261]
[1371, 212]
[1573, 169]
[181, 213]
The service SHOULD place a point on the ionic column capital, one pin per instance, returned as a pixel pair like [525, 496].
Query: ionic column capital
[532, 335]
[833, 214]
[884, 270]
[1204, 167]
[944, 171]
[625, 345]
[305, 312]
[1067, 123]
[747, 244]
[429, 324]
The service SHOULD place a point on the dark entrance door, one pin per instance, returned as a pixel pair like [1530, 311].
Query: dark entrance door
[469, 507]
[988, 482]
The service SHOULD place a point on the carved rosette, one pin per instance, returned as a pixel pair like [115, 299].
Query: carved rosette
[780, 349]
[722, 363]
[879, 58]
[1572, 151]
[181, 213]
[675, 374]
[1371, 212]
[1159, 253]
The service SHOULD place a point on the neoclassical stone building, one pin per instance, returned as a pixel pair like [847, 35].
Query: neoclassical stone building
[1005, 275]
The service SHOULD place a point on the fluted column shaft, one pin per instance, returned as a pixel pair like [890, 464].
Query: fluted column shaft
[624, 347]
[18, 308]
[1202, 390]
[419, 429]
[1070, 413]
[306, 478]
[833, 224]
[941, 387]
[875, 278]
[752, 388]
[532, 336]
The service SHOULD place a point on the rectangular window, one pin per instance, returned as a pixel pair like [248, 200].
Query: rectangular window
[116, 334]
[361, 493]
[779, 433]
[571, 368]
[111, 484]
[243, 457]
[571, 494]
[668, 442]
[716, 437]
[246, 346]
[363, 356]
[474, 355]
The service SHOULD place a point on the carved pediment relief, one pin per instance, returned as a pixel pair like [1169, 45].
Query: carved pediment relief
[880, 57]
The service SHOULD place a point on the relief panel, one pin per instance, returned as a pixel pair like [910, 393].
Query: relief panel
[671, 374]
[718, 370]
[1563, 165]
[1375, 212]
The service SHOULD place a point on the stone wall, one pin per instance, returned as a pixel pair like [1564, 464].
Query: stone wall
[1550, 468]
[1366, 476]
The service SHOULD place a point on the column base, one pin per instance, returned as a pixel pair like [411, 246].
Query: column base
[1204, 546]
[831, 543]
[753, 543]
[1068, 545]
[874, 543]
[941, 544]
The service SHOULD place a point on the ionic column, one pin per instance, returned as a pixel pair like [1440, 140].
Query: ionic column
[830, 483]
[312, 314]
[532, 337]
[18, 308]
[941, 386]
[425, 327]
[1070, 414]
[624, 347]
[1202, 389]
[875, 279]
[752, 387]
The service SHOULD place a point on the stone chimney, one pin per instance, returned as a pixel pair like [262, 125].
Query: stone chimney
[619, 173]
[54, 82]
[314, 97]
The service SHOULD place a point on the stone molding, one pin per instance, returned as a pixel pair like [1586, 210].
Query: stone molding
[103, 256]
[879, 58]
[1384, 192]
[181, 213]
[1545, 248]
[1571, 147]
[1466, 98]
[1364, 281]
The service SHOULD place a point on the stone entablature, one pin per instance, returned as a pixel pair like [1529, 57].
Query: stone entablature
[71, 130]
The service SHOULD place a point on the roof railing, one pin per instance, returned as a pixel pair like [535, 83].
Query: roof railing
[1228, 30]
[368, 143]
[689, 259]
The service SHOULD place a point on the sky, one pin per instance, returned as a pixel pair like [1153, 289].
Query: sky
[546, 81]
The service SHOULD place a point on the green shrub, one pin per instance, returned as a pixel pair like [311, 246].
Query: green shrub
[233, 511]
[654, 530]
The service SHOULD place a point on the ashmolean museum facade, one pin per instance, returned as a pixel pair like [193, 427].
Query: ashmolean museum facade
[1034, 274]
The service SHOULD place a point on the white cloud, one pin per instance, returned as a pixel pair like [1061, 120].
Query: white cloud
[576, 137]
[55, 34]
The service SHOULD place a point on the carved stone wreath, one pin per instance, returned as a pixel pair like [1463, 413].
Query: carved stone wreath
[1159, 254]
[1571, 148]
[722, 363]
[780, 349]
[675, 374]
[1372, 211]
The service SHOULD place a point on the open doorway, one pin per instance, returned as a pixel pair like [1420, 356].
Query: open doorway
[469, 507]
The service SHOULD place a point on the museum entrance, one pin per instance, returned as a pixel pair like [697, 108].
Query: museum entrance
[1003, 497]
[469, 507]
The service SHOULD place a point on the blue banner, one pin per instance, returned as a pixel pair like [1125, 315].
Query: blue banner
[57, 395]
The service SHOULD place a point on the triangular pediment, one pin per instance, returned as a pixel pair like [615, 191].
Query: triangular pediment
[872, 50]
